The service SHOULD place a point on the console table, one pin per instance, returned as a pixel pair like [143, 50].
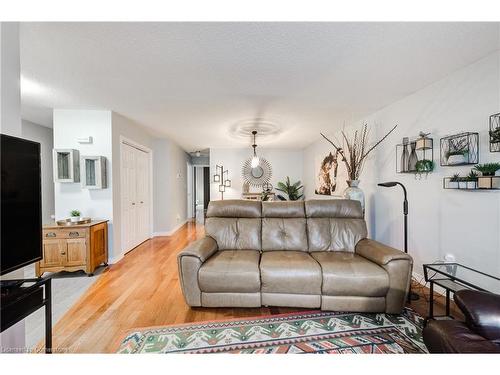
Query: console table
[22, 297]
[453, 277]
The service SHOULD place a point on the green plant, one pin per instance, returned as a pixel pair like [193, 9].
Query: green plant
[455, 178]
[265, 196]
[424, 165]
[495, 135]
[456, 152]
[357, 149]
[291, 190]
[487, 169]
[75, 213]
[472, 176]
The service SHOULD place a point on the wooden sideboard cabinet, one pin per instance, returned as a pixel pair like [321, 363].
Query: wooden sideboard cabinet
[73, 248]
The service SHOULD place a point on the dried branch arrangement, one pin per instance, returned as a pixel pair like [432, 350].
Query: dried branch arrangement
[357, 149]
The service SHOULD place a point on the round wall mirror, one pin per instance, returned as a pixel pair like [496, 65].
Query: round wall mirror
[259, 175]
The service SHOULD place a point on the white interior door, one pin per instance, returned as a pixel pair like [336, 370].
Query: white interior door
[142, 193]
[135, 196]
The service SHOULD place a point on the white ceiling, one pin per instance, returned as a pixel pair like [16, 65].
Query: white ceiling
[194, 81]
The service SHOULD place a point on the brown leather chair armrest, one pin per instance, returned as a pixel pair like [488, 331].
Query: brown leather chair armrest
[379, 253]
[452, 336]
[202, 249]
[482, 312]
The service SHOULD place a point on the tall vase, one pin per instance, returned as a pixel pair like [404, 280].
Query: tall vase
[355, 193]
[412, 160]
[405, 155]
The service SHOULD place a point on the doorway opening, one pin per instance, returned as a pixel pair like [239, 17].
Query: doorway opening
[198, 185]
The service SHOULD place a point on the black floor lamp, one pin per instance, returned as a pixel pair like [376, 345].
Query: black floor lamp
[411, 296]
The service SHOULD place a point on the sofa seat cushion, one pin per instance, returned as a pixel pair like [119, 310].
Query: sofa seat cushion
[348, 274]
[231, 271]
[292, 272]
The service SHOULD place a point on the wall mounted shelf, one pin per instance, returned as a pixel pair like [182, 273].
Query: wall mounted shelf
[483, 183]
[415, 156]
[494, 133]
[459, 149]
[66, 165]
[93, 172]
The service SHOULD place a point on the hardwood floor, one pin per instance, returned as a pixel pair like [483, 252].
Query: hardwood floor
[143, 290]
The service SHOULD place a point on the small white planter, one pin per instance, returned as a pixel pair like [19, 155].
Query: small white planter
[453, 184]
[74, 219]
[458, 159]
[462, 184]
[471, 185]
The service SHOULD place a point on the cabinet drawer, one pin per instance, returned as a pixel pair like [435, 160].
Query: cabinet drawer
[64, 233]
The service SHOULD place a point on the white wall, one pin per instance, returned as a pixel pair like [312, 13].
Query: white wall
[97, 204]
[465, 224]
[10, 123]
[283, 163]
[123, 127]
[44, 136]
[10, 74]
[169, 186]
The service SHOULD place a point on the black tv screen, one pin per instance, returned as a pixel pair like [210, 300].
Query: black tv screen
[21, 203]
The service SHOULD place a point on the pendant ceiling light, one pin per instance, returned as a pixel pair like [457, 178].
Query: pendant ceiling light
[255, 158]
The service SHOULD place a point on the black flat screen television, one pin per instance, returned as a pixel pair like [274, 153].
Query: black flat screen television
[21, 203]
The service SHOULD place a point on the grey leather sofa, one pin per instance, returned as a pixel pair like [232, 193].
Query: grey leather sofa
[310, 254]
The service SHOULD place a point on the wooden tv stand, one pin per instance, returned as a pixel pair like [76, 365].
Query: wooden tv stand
[74, 248]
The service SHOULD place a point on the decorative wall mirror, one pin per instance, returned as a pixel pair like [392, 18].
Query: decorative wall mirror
[258, 175]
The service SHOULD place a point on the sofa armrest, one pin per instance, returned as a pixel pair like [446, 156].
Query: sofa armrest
[379, 253]
[189, 261]
[452, 336]
[202, 249]
[398, 266]
[481, 311]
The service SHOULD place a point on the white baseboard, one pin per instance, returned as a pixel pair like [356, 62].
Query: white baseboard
[170, 232]
[115, 259]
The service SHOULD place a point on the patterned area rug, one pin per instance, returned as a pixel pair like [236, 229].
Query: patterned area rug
[301, 332]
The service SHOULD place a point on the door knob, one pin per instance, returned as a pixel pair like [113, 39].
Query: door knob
[142, 202]
[133, 203]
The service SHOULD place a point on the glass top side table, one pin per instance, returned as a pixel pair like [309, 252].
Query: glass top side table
[453, 277]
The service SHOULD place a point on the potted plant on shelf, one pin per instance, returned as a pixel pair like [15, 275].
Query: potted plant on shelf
[458, 152]
[462, 182]
[453, 182]
[472, 180]
[424, 166]
[354, 155]
[488, 169]
[487, 179]
[75, 216]
[291, 190]
[495, 135]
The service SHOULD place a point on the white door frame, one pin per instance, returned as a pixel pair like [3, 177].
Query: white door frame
[147, 150]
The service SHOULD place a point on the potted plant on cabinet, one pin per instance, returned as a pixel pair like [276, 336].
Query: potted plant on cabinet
[75, 216]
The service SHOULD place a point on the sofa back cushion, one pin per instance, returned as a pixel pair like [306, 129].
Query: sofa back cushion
[334, 225]
[284, 226]
[235, 224]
